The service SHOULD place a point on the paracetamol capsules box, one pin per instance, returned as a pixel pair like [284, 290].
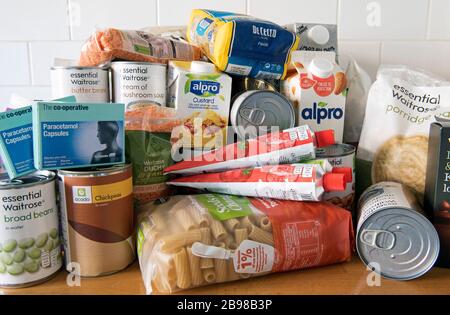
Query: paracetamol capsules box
[72, 135]
[16, 141]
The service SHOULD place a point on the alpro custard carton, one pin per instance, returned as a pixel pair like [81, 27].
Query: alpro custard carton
[72, 135]
[318, 91]
[201, 96]
[16, 140]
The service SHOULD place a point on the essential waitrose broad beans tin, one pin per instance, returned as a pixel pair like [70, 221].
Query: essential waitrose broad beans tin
[30, 251]
[393, 236]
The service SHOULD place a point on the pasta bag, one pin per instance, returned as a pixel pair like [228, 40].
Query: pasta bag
[196, 240]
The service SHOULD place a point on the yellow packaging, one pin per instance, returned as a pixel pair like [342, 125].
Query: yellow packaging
[242, 45]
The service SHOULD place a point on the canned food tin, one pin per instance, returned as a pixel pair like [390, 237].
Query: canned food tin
[30, 246]
[133, 82]
[394, 237]
[97, 219]
[242, 84]
[340, 155]
[87, 84]
[257, 112]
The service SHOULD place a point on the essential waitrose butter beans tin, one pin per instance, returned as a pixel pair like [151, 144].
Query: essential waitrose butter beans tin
[133, 82]
[340, 155]
[30, 251]
[97, 219]
[87, 84]
[393, 236]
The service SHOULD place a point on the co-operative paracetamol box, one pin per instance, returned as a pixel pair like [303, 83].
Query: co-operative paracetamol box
[73, 135]
[16, 140]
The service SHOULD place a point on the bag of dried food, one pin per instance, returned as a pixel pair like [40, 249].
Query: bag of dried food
[196, 240]
[147, 146]
[401, 105]
[109, 44]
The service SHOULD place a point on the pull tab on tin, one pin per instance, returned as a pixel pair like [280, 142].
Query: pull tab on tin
[255, 116]
[380, 239]
[208, 251]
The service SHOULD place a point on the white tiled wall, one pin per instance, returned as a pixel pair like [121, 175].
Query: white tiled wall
[33, 32]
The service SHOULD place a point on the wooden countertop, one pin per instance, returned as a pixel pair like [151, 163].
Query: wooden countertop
[346, 278]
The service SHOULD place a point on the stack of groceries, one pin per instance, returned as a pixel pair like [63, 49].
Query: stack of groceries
[222, 151]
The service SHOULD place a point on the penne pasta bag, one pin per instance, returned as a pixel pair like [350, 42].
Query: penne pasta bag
[247, 237]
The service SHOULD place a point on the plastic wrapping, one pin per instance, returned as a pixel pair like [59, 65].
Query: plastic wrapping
[109, 44]
[196, 240]
[401, 105]
[147, 132]
[300, 182]
[242, 45]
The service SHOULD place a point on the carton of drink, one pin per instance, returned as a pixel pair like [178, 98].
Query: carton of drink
[318, 91]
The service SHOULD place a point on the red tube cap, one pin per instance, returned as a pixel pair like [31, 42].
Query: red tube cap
[333, 182]
[324, 138]
[347, 171]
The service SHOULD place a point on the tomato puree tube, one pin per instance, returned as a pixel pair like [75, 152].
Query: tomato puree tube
[300, 182]
[289, 146]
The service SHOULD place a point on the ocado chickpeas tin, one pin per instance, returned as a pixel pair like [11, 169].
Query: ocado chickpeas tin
[97, 219]
[30, 251]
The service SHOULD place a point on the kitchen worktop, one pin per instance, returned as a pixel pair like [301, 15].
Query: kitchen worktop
[346, 278]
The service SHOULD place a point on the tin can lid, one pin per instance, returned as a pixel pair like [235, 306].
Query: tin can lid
[398, 243]
[256, 111]
[95, 171]
[26, 180]
[335, 150]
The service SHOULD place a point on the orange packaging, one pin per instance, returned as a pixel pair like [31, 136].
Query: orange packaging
[109, 44]
[196, 240]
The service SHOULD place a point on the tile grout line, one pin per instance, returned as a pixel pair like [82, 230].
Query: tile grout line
[69, 19]
[428, 30]
[30, 66]
[157, 13]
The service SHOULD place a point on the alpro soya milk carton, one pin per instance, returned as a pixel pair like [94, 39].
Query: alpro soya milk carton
[73, 135]
[318, 91]
[201, 96]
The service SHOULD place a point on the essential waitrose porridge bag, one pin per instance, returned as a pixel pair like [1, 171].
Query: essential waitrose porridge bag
[401, 105]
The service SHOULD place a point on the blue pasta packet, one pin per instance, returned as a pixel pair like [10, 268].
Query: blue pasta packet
[16, 140]
[73, 135]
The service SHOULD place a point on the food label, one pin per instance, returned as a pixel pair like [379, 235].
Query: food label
[224, 207]
[202, 102]
[402, 103]
[136, 83]
[29, 235]
[253, 257]
[149, 152]
[379, 197]
[87, 85]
